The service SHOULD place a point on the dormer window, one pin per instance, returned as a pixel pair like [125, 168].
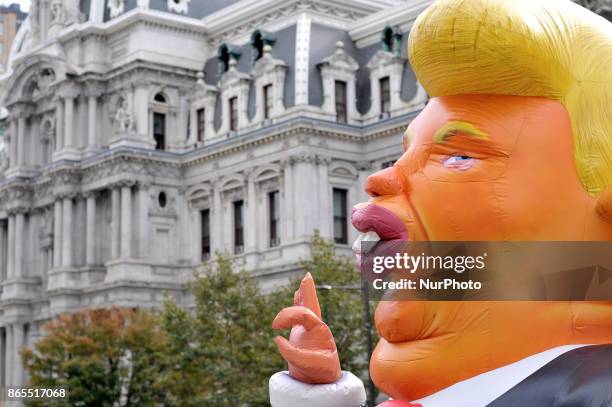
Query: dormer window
[202, 112]
[201, 116]
[268, 101]
[387, 70]
[340, 96]
[233, 111]
[338, 74]
[269, 74]
[385, 95]
[234, 87]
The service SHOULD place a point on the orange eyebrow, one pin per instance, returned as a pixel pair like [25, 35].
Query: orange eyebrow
[456, 126]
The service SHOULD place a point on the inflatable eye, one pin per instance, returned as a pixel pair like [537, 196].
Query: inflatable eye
[459, 162]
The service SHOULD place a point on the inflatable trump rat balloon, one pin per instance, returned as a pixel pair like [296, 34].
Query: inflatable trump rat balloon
[515, 144]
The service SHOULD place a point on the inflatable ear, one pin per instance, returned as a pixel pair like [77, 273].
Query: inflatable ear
[604, 205]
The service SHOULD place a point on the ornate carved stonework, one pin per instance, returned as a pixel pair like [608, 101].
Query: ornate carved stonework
[116, 7]
[123, 118]
[168, 210]
[46, 228]
[178, 6]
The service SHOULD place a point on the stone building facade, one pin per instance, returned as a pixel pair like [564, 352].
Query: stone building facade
[142, 136]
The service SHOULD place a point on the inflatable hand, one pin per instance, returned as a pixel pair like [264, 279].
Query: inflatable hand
[310, 351]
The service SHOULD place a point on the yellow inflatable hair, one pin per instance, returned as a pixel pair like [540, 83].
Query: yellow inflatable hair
[548, 48]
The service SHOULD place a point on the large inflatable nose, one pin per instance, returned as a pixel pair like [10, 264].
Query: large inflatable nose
[385, 182]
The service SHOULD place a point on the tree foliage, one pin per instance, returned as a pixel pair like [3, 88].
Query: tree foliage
[105, 357]
[223, 353]
[218, 353]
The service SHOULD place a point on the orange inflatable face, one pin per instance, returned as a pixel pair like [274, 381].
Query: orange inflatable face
[480, 167]
[488, 167]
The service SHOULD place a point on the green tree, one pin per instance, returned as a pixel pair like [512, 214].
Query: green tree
[105, 357]
[223, 353]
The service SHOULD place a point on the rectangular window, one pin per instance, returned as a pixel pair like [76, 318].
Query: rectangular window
[205, 223]
[159, 130]
[233, 105]
[274, 214]
[201, 124]
[340, 93]
[238, 227]
[385, 95]
[340, 216]
[268, 101]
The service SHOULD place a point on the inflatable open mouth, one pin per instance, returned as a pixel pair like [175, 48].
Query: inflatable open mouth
[376, 224]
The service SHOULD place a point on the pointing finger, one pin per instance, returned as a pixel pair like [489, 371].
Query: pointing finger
[307, 295]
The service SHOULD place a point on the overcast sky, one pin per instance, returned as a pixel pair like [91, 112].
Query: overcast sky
[25, 4]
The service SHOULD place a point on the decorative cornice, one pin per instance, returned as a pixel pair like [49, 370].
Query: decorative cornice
[368, 30]
[242, 19]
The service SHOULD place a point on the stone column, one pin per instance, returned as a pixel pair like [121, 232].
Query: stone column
[126, 221]
[115, 222]
[324, 199]
[3, 355]
[21, 134]
[59, 125]
[10, 356]
[10, 256]
[193, 130]
[92, 125]
[67, 233]
[13, 144]
[143, 220]
[57, 233]
[251, 222]
[69, 121]
[90, 229]
[216, 217]
[17, 345]
[287, 207]
[3, 242]
[140, 107]
[19, 242]
[97, 12]
[196, 234]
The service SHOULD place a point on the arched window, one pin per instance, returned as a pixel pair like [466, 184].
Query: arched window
[160, 98]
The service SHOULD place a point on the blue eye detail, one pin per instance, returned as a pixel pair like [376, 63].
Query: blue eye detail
[459, 162]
